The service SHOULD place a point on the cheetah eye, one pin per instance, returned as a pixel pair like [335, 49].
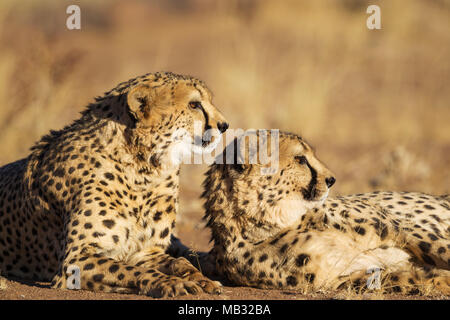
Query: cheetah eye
[301, 159]
[195, 104]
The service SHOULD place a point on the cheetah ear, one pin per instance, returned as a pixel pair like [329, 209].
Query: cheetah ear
[138, 100]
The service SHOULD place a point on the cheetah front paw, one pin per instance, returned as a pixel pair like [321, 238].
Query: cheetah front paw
[184, 269]
[167, 288]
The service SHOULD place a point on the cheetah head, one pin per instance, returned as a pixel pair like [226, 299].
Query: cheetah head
[277, 199]
[173, 113]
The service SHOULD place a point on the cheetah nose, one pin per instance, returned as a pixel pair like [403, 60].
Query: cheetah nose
[222, 126]
[330, 181]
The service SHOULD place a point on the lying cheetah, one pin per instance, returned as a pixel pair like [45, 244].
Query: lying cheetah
[280, 230]
[100, 196]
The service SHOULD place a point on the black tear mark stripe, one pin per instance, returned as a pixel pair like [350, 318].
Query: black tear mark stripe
[309, 193]
[207, 126]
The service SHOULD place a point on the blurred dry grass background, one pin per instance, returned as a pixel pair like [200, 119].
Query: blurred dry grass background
[375, 104]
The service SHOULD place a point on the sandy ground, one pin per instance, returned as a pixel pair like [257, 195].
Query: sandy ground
[23, 290]
[31, 291]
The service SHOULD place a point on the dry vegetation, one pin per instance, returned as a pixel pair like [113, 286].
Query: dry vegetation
[375, 104]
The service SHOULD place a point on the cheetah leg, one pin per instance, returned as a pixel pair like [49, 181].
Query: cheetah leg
[97, 273]
[156, 258]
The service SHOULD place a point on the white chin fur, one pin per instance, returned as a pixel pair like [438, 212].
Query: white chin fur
[209, 148]
[182, 150]
[179, 151]
[288, 211]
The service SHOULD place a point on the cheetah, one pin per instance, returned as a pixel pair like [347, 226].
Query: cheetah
[100, 197]
[281, 230]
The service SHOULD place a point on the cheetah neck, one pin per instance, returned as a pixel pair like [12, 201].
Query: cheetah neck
[140, 155]
[143, 151]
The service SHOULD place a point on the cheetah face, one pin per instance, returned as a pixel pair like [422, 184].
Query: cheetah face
[309, 179]
[180, 112]
[300, 183]
[304, 181]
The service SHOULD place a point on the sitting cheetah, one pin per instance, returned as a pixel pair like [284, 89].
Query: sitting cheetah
[280, 231]
[100, 196]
